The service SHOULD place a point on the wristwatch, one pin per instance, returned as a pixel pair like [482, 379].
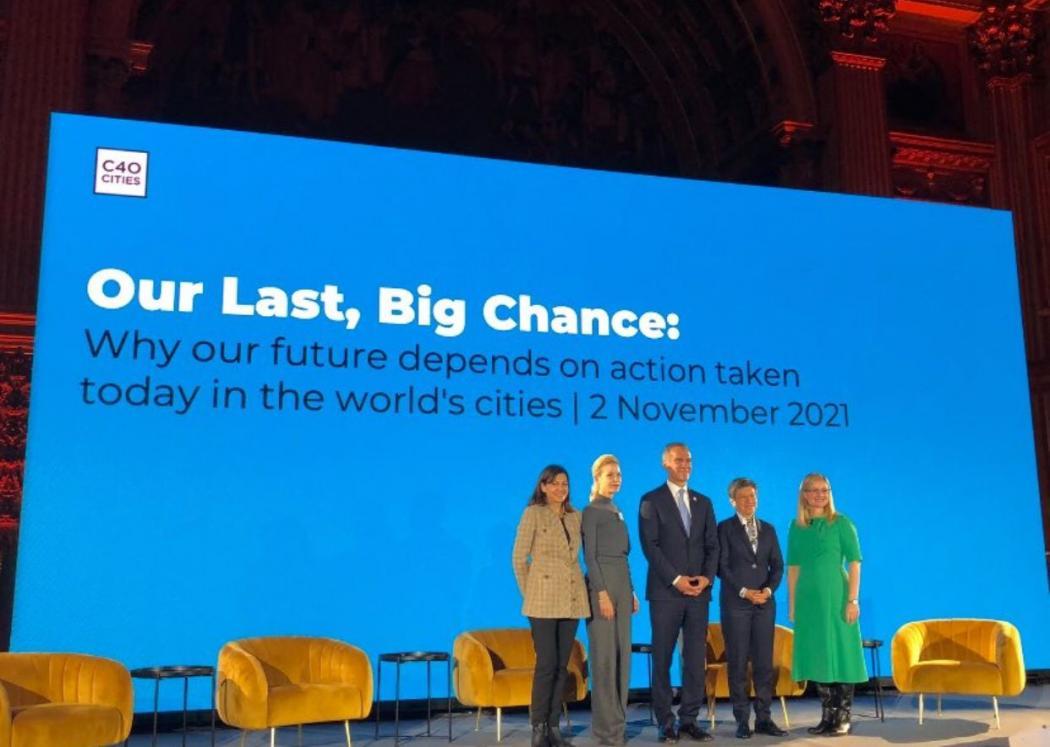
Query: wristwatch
[855, 601]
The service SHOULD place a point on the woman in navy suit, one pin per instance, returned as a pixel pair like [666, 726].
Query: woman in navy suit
[750, 566]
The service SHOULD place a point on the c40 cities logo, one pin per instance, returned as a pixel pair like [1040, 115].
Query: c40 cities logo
[121, 172]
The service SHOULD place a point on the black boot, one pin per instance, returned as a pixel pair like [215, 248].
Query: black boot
[842, 713]
[554, 736]
[540, 735]
[826, 722]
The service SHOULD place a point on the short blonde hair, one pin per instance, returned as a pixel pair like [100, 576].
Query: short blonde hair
[596, 469]
[803, 518]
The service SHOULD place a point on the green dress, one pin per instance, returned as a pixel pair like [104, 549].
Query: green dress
[827, 648]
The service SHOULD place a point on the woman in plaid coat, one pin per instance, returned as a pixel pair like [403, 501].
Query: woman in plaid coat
[546, 562]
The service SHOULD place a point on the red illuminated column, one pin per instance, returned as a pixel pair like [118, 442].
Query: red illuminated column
[862, 135]
[1003, 45]
[859, 136]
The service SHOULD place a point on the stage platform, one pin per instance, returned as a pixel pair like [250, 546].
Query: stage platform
[963, 721]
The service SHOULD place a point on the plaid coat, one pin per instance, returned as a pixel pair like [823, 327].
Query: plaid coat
[547, 566]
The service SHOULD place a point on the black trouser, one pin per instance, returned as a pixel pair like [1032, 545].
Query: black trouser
[748, 633]
[668, 617]
[553, 639]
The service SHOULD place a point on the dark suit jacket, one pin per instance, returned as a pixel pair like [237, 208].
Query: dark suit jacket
[741, 568]
[667, 547]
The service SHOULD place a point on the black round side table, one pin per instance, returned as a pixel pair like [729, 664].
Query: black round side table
[647, 650]
[873, 645]
[173, 672]
[409, 657]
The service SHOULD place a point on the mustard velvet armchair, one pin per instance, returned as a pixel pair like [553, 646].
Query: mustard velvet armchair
[717, 684]
[959, 657]
[265, 683]
[493, 669]
[72, 700]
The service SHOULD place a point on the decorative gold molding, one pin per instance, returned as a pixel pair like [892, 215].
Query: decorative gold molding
[922, 150]
[960, 14]
[16, 331]
[138, 56]
[1042, 142]
[862, 20]
[1003, 39]
[941, 169]
[790, 132]
[1010, 83]
[858, 61]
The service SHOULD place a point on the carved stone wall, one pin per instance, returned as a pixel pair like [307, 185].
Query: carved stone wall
[941, 170]
[15, 368]
[660, 87]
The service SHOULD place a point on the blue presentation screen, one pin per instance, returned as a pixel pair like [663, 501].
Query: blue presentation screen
[294, 387]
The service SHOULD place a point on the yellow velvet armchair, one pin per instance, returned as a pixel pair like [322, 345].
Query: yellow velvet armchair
[717, 684]
[493, 669]
[72, 700]
[264, 683]
[960, 657]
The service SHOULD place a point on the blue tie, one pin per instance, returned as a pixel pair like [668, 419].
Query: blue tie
[683, 509]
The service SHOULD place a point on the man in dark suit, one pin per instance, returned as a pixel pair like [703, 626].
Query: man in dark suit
[680, 541]
[750, 566]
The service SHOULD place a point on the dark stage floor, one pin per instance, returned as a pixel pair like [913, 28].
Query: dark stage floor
[963, 721]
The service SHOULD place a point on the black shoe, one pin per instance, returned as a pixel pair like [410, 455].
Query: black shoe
[539, 735]
[827, 713]
[554, 737]
[844, 701]
[743, 731]
[695, 732]
[668, 734]
[769, 727]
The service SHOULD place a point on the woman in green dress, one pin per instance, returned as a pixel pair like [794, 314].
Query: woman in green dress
[823, 602]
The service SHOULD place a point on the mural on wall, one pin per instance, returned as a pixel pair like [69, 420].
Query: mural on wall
[924, 88]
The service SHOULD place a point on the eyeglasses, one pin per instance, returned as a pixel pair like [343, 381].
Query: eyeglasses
[822, 491]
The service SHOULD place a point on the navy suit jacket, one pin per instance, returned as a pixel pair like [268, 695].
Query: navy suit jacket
[670, 551]
[739, 567]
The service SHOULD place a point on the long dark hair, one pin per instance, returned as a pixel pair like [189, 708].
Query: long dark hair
[547, 474]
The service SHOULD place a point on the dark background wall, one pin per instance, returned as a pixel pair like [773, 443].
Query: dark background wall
[943, 100]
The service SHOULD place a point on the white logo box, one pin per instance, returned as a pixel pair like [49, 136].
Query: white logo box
[121, 172]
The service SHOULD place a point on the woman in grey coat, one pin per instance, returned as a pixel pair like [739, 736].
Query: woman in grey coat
[605, 548]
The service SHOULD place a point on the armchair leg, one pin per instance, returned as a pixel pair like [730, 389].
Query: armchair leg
[995, 707]
[565, 710]
[711, 710]
[938, 704]
[349, 743]
[499, 724]
[273, 736]
[784, 708]
[244, 737]
[477, 719]
[920, 709]
[300, 735]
